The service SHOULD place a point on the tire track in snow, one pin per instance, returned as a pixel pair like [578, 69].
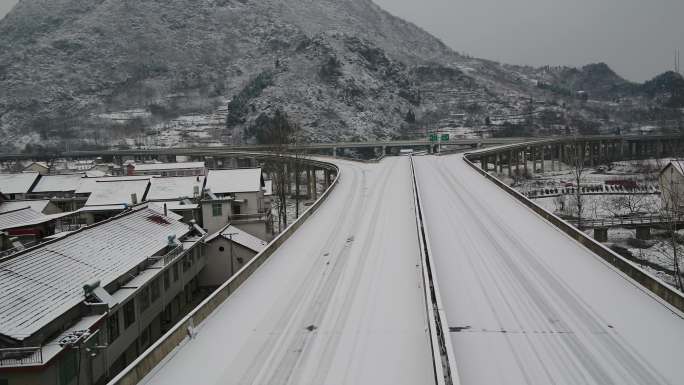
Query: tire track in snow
[531, 269]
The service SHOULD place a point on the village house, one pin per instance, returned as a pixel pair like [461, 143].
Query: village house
[236, 197]
[78, 309]
[166, 169]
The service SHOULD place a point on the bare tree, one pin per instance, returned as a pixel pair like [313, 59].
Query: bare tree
[575, 159]
[631, 204]
[671, 214]
[280, 133]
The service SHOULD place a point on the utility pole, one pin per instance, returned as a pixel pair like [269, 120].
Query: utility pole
[230, 237]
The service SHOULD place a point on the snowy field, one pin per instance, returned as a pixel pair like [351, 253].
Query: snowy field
[340, 302]
[527, 304]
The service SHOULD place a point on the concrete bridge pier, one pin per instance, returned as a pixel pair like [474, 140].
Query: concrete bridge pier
[326, 176]
[601, 234]
[308, 182]
[542, 156]
[510, 163]
[643, 233]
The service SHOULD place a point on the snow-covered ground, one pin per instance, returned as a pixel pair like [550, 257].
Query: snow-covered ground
[527, 304]
[340, 302]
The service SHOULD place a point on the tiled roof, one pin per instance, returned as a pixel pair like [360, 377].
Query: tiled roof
[40, 284]
[88, 184]
[19, 183]
[167, 166]
[12, 219]
[117, 192]
[37, 205]
[58, 183]
[240, 237]
[232, 181]
[174, 187]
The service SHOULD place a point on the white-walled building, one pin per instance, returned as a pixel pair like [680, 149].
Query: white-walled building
[113, 288]
[228, 250]
[237, 197]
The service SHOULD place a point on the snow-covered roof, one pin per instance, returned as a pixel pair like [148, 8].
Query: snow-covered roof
[40, 164]
[174, 187]
[233, 181]
[88, 184]
[167, 166]
[117, 192]
[240, 237]
[19, 183]
[58, 183]
[19, 217]
[178, 205]
[37, 205]
[40, 284]
[678, 166]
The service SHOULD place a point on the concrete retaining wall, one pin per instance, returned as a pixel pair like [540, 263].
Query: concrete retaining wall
[636, 273]
[156, 353]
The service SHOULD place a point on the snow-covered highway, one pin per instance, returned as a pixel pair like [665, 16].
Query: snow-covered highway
[340, 302]
[526, 304]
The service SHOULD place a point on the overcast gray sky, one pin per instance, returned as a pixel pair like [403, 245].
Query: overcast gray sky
[637, 38]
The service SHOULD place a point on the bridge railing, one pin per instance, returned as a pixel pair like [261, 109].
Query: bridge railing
[186, 328]
[629, 269]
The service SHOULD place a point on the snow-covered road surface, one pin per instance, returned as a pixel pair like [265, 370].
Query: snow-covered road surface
[527, 304]
[340, 302]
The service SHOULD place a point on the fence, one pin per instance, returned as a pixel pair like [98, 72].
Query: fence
[21, 356]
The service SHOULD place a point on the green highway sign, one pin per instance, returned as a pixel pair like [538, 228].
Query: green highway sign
[445, 137]
[433, 137]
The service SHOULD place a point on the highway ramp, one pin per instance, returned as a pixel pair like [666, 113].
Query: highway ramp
[526, 304]
[340, 302]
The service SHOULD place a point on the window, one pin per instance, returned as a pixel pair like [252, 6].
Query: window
[113, 327]
[144, 298]
[129, 313]
[167, 279]
[236, 209]
[155, 289]
[175, 272]
[217, 209]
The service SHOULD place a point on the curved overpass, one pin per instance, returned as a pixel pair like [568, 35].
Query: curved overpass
[342, 301]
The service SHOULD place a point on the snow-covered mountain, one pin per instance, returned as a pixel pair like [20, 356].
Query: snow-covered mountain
[73, 70]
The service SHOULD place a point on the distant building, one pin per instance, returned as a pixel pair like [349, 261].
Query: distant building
[228, 250]
[40, 167]
[237, 197]
[671, 179]
[80, 308]
[166, 169]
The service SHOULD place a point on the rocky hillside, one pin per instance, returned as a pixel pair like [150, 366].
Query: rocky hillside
[128, 72]
[341, 69]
